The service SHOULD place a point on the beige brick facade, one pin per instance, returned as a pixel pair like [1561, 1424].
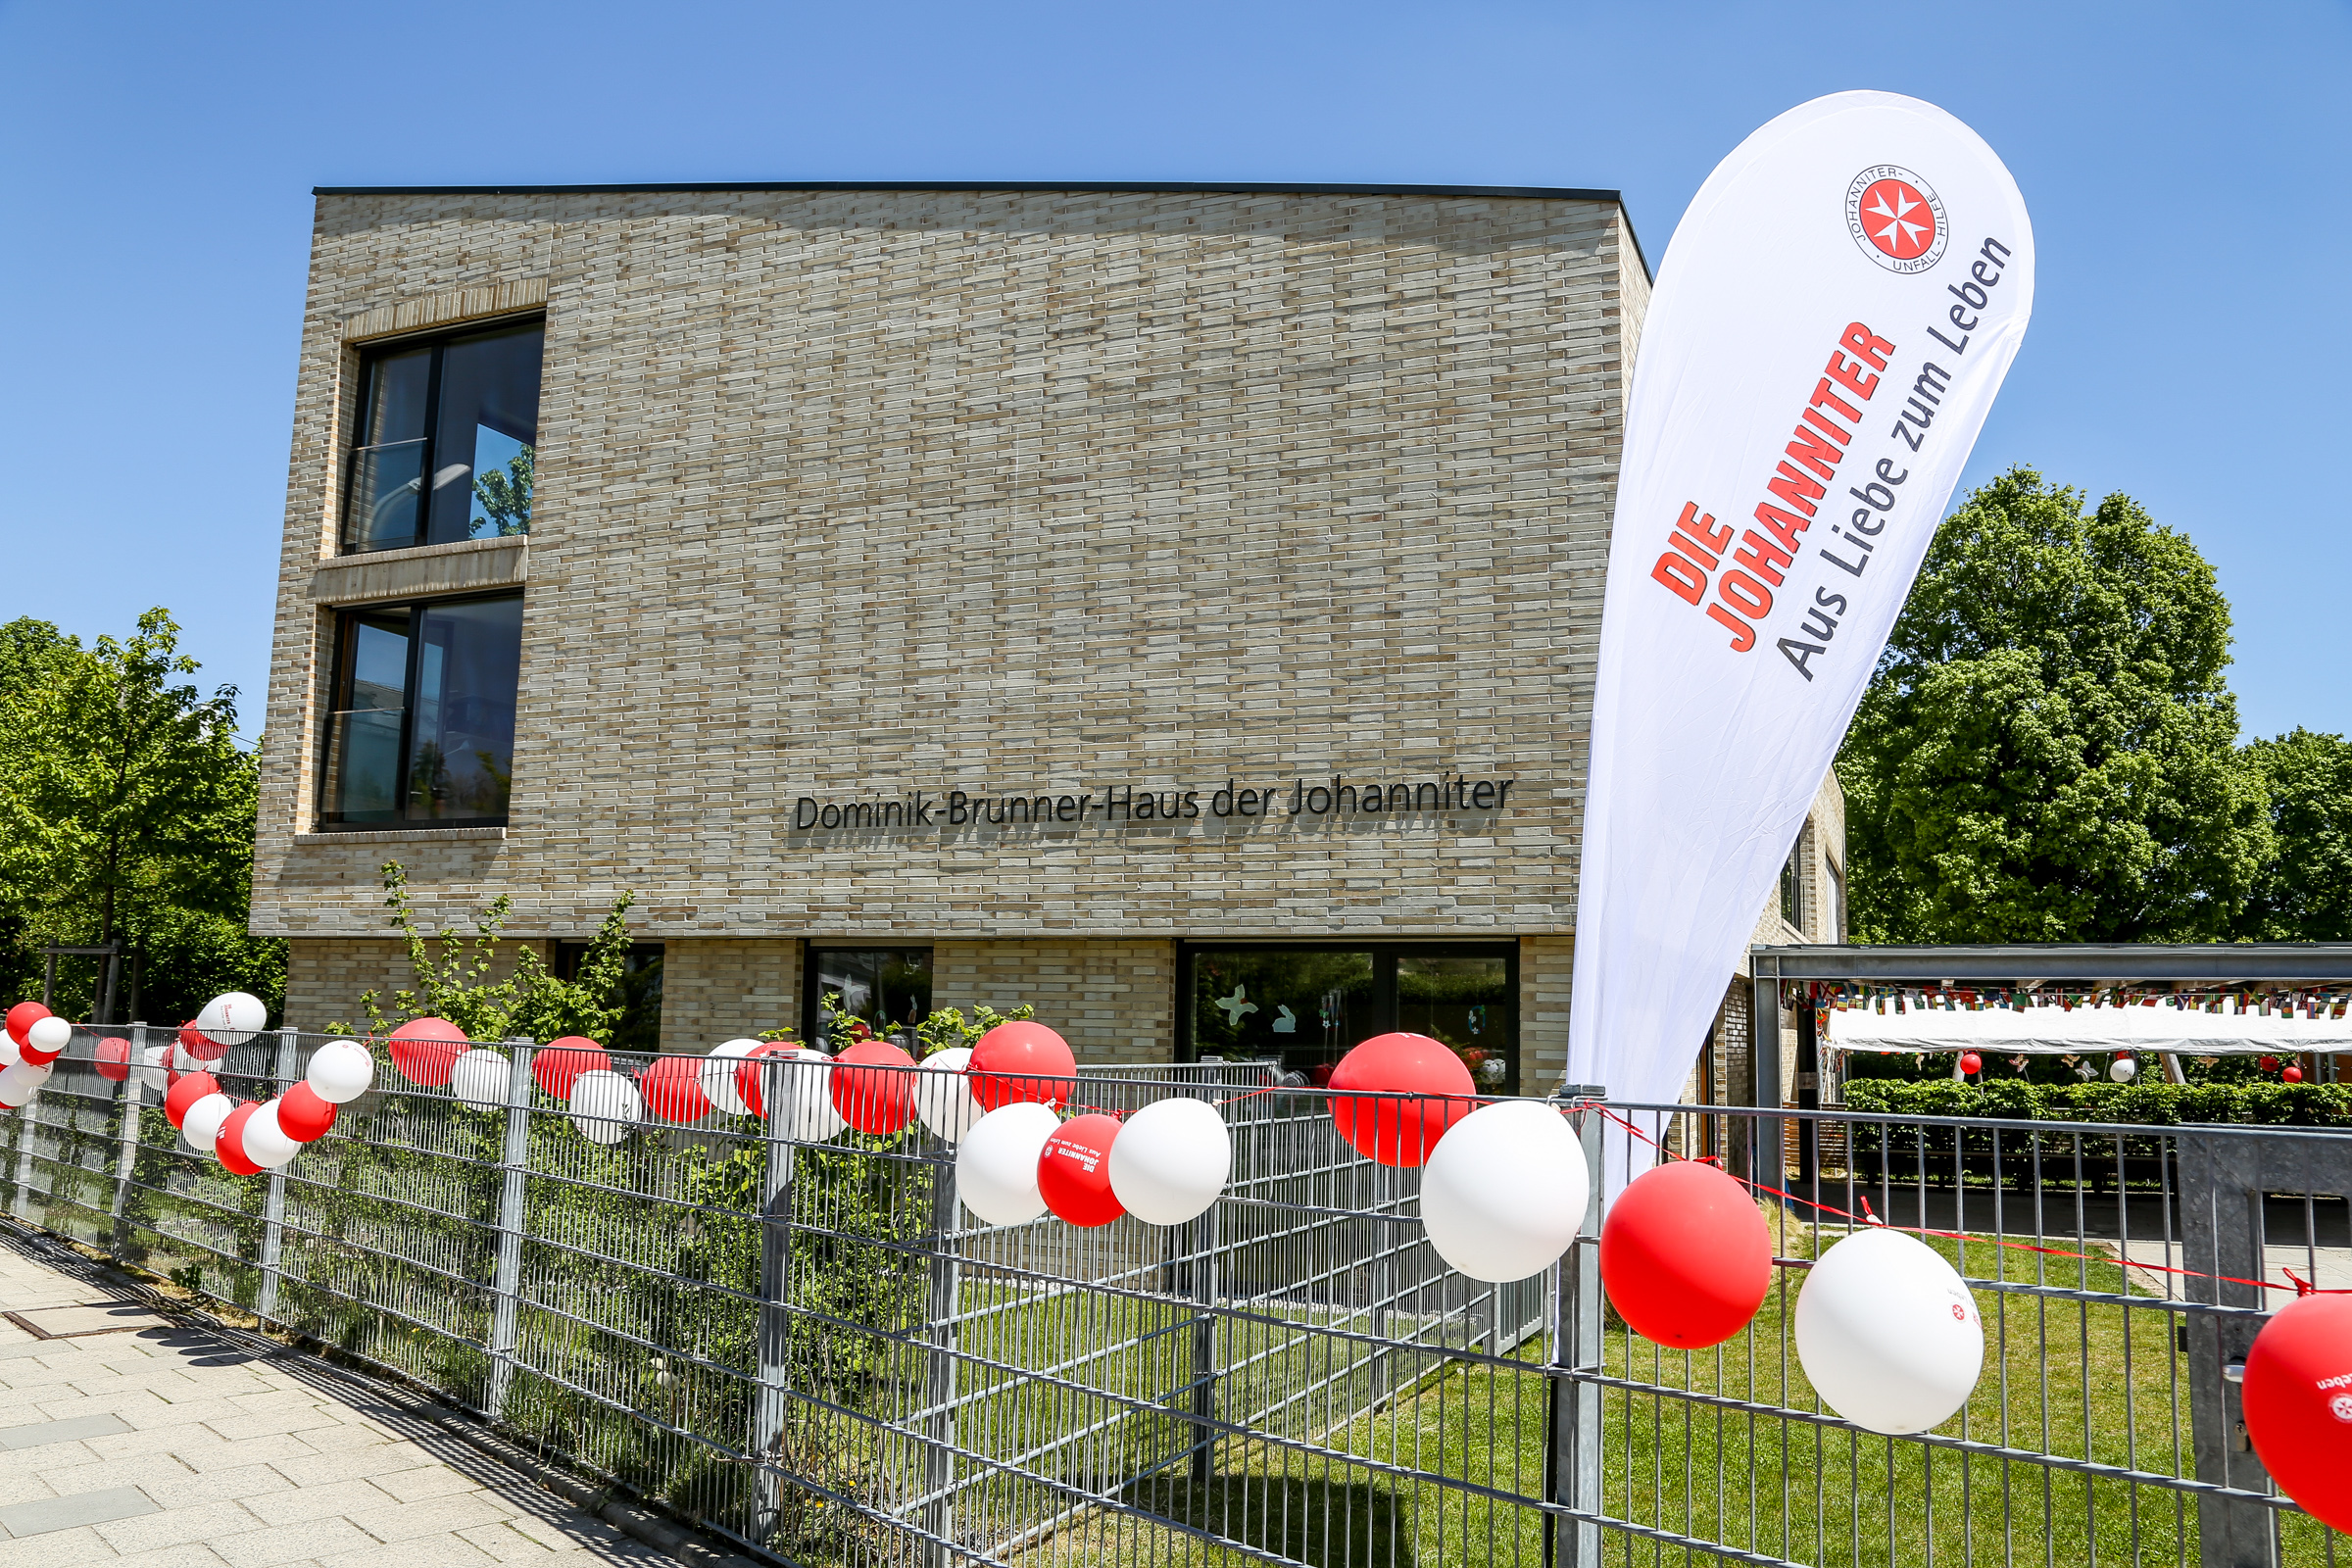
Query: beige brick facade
[1113, 1001]
[859, 495]
[714, 990]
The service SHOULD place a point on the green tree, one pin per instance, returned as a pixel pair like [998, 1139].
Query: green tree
[2303, 892]
[506, 497]
[2048, 749]
[128, 813]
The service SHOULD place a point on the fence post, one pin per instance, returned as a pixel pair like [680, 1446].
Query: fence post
[274, 1198]
[1764, 1154]
[1575, 1403]
[939, 1382]
[25, 1117]
[775, 1284]
[1200, 1279]
[507, 1279]
[126, 1155]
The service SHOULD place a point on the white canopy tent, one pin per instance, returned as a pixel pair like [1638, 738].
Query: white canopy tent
[2087, 1031]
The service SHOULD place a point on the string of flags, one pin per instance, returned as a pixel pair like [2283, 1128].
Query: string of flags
[2241, 1001]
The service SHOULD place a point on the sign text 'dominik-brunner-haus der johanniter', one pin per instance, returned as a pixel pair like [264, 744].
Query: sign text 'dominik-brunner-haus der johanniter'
[1122, 804]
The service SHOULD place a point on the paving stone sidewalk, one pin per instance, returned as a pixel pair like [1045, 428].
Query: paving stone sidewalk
[154, 1443]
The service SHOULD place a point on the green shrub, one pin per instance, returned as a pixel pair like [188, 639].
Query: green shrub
[2125, 1105]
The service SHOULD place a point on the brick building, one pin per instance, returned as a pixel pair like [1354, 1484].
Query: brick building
[1173, 607]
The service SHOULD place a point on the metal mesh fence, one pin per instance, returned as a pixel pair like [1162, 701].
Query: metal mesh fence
[813, 1350]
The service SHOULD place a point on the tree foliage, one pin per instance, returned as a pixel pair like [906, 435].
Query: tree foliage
[2303, 892]
[2048, 749]
[127, 813]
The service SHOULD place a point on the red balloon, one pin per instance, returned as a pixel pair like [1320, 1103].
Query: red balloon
[1022, 1060]
[230, 1150]
[1073, 1173]
[303, 1117]
[424, 1050]
[2292, 1075]
[192, 1040]
[113, 1059]
[559, 1062]
[39, 1057]
[1970, 1062]
[2298, 1404]
[750, 1081]
[873, 1088]
[673, 1089]
[1380, 1118]
[192, 1087]
[2270, 1064]
[22, 1017]
[1685, 1255]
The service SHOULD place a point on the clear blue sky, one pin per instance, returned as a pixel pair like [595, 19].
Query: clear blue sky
[2185, 166]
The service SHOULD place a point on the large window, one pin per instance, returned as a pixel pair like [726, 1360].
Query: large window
[447, 430]
[890, 988]
[1309, 1005]
[423, 731]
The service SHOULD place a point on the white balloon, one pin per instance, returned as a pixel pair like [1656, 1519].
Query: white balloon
[9, 1054]
[181, 1061]
[996, 1168]
[1170, 1160]
[2123, 1070]
[148, 1076]
[943, 1094]
[481, 1077]
[1888, 1333]
[341, 1071]
[605, 1107]
[49, 1034]
[265, 1142]
[808, 1114]
[202, 1124]
[232, 1019]
[19, 1081]
[718, 1075]
[1505, 1191]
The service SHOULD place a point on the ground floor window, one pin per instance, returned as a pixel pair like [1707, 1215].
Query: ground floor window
[1307, 1005]
[890, 988]
[640, 1026]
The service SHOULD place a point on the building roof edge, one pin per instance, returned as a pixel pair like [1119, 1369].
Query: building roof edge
[1087, 187]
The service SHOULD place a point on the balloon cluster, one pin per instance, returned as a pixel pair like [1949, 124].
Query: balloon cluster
[33, 1041]
[1165, 1164]
[247, 1137]
[1884, 1328]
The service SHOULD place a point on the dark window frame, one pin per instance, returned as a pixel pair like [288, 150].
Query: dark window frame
[811, 989]
[346, 650]
[437, 339]
[1385, 1001]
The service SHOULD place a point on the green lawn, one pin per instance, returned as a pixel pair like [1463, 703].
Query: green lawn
[1784, 1488]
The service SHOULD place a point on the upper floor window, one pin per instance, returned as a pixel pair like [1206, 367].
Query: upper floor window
[423, 731]
[1793, 885]
[447, 427]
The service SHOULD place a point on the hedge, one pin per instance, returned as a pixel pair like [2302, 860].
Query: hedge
[2125, 1105]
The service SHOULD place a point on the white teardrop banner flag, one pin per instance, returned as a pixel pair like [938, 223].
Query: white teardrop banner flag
[1830, 323]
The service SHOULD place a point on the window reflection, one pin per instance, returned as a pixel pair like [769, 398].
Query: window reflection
[422, 728]
[447, 440]
[1468, 1003]
[890, 988]
[1307, 1006]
